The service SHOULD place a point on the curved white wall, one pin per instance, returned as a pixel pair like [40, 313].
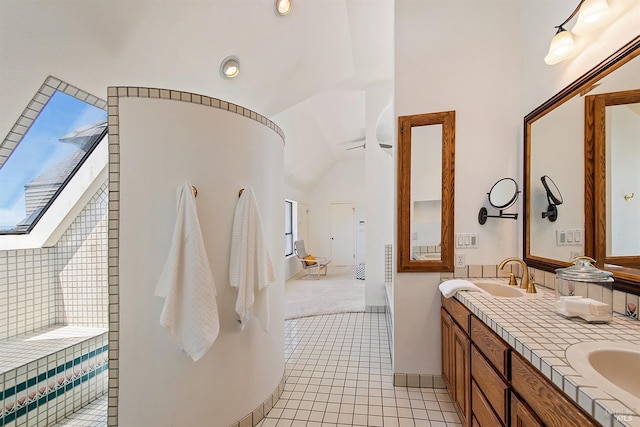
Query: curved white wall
[163, 143]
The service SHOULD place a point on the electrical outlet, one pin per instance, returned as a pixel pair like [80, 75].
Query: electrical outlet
[460, 261]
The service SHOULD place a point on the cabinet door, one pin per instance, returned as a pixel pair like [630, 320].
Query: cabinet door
[460, 354]
[445, 329]
[521, 415]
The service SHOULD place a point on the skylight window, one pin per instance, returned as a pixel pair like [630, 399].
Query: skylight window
[58, 140]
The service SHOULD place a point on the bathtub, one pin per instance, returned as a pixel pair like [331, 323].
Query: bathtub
[48, 374]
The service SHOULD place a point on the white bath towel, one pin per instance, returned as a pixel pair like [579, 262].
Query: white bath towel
[250, 263]
[451, 287]
[190, 312]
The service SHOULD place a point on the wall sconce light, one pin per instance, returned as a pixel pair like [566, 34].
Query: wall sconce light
[592, 14]
[283, 7]
[554, 198]
[230, 67]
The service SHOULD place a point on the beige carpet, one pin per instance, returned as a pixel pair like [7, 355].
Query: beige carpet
[338, 292]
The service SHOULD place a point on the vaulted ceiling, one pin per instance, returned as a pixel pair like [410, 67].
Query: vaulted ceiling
[308, 71]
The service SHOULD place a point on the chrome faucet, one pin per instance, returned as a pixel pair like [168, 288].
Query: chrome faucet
[527, 284]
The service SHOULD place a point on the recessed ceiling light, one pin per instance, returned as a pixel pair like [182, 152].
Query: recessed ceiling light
[230, 67]
[283, 7]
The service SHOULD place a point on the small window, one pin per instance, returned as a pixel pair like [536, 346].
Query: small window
[52, 147]
[288, 228]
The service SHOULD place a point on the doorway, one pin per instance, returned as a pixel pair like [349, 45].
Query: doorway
[342, 233]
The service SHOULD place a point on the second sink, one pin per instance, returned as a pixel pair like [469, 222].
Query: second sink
[610, 365]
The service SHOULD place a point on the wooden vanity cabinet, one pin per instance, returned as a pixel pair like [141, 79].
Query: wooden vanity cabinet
[547, 402]
[522, 415]
[491, 385]
[456, 347]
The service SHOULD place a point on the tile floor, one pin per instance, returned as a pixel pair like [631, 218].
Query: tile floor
[339, 374]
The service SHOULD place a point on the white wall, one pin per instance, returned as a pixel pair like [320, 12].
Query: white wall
[162, 144]
[344, 182]
[470, 67]
[489, 68]
[379, 188]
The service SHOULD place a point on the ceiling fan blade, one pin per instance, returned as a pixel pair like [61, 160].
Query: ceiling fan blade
[386, 145]
[353, 148]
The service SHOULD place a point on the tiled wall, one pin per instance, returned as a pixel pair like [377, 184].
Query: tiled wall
[81, 263]
[623, 303]
[27, 291]
[64, 284]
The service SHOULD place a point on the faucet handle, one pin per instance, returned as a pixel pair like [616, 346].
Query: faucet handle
[531, 286]
[512, 280]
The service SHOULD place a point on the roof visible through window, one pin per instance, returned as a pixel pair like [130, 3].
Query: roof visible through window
[54, 147]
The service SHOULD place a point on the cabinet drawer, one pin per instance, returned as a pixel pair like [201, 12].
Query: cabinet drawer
[481, 409]
[490, 345]
[490, 383]
[458, 312]
[550, 405]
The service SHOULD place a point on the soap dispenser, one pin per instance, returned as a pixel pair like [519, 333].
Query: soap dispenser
[584, 291]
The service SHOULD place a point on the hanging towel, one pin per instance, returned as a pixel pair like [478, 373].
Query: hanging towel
[190, 312]
[451, 287]
[250, 264]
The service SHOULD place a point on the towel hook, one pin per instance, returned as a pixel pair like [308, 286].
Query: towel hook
[195, 191]
[240, 192]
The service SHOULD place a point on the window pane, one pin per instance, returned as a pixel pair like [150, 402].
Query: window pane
[288, 217]
[58, 141]
[288, 239]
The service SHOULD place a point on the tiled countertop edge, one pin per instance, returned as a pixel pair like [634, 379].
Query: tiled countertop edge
[604, 408]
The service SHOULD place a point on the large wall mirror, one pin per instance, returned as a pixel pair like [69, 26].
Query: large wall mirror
[426, 153]
[557, 145]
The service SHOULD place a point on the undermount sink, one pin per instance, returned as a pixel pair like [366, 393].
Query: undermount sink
[500, 290]
[613, 366]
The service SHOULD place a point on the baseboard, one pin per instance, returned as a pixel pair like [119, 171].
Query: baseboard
[418, 380]
[263, 409]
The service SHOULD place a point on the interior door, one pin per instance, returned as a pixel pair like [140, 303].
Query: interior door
[342, 233]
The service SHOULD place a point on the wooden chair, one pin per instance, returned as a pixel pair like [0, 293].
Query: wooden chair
[309, 262]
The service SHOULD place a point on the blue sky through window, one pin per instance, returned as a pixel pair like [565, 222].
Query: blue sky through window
[40, 150]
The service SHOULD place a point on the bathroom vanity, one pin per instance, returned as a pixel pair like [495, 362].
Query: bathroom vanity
[503, 362]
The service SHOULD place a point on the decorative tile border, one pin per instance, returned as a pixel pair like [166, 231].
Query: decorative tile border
[24, 122]
[24, 392]
[113, 96]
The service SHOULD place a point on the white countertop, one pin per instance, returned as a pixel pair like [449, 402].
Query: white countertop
[541, 336]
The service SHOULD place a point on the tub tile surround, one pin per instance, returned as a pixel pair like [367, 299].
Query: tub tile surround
[63, 372]
[541, 336]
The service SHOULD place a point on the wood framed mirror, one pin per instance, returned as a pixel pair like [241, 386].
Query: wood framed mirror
[613, 135]
[426, 169]
[556, 144]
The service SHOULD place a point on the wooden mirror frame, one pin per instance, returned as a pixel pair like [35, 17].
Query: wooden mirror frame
[580, 86]
[406, 263]
[624, 268]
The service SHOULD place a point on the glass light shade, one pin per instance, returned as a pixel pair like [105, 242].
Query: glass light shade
[562, 47]
[593, 14]
[283, 7]
[230, 67]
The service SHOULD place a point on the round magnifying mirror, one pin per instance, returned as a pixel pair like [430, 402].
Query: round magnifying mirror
[552, 190]
[504, 193]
